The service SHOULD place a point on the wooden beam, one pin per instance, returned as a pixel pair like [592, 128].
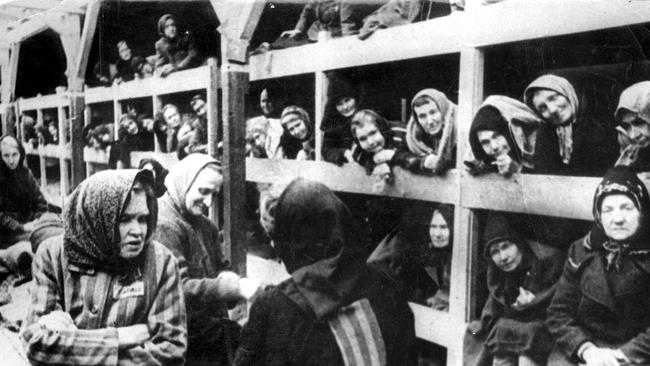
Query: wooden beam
[212, 105]
[13, 70]
[238, 22]
[87, 34]
[77, 139]
[321, 84]
[64, 185]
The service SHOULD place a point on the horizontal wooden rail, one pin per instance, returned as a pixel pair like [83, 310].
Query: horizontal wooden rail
[352, 178]
[96, 156]
[43, 102]
[168, 160]
[177, 82]
[49, 151]
[509, 21]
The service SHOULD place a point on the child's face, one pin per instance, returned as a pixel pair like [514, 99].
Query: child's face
[506, 255]
[369, 137]
[429, 117]
[296, 126]
[493, 143]
[346, 106]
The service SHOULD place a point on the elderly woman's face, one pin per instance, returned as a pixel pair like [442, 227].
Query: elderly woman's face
[439, 231]
[133, 224]
[429, 117]
[619, 216]
[369, 137]
[637, 129]
[206, 186]
[493, 143]
[10, 153]
[505, 255]
[553, 106]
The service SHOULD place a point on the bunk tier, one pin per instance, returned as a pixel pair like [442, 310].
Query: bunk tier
[177, 82]
[38, 104]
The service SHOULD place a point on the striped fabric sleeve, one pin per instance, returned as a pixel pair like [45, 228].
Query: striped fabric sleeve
[167, 320]
[69, 347]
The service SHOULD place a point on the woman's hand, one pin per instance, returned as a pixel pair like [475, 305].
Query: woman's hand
[57, 320]
[383, 156]
[431, 161]
[290, 33]
[506, 166]
[525, 297]
[133, 335]
[597, 356]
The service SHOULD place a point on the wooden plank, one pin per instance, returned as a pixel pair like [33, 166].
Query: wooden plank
[177, 82]
[63, 164]
[560, 196]
[168, 160]
[438, 327]
[212, 101]
[95, 156]
[509, 21]
[87, 35]
[49, 101]
[5, 91]
[238, 22]
[353, 179]
[77, 139]
[49, 151]
[13, 70]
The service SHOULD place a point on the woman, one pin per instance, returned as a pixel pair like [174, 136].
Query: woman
[298, 141]
[502, 137]
[304, 320]
[599, 314]
[578, 137]
[344, 98]
[133, 137]
[431, 131]
[633, 118]
[175, 51]
[521, 279]
[159, 174]
[436, 258]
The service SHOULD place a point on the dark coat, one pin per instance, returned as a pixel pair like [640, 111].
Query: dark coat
[180, 52]
[341, 18]
[21, 199]
[337, 138]
[608, 308]
[521, 332]
[283, 330]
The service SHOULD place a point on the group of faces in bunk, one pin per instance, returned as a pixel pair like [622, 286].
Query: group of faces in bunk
[132, 272]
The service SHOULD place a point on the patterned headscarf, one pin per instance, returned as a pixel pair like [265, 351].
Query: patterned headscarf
[563, 87]
[91, 218]
[417, 137]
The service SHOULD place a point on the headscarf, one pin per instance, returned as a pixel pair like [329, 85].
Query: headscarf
[621, 180]
[380, 122]
[563, 87]
[160, 172]
[4, 169]
[510, 118]
[419, 141]
[635, 99]
[294, 109]
[316, 240]
[182, 175]
[161, 23]
[92, 215]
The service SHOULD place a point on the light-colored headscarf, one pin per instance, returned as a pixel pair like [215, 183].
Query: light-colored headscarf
[561, 86]
[635, 99]
[419, 141]
[182, 175]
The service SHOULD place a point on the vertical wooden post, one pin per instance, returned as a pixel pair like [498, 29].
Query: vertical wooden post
[41, 159]
[63, 163]
[90, 169]
[157, 107]
[78, 120]
[234, 87]
[464, 257]
[321, 84]
[212, 100]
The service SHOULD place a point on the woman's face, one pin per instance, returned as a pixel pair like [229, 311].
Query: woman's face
[346, 106]
[296, 126]
[439, 231]
[553, 106]
[266, 103]
[493, 143]
[369, 137]
[125, 51]
[619, 216]
[637, 129]
[132, 127]
[172, 117]
[506, 255]
[133, 224]
[429, 117]
[206, 186]
[170, 28]
[10, 153]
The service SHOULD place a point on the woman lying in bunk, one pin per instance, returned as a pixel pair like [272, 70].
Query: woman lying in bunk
[331, 294]
[298, 142]
[599, 314]
[176, 51]
[133, 137]
[521, 278]
[578, 137]
[502, 137]
[633, 118]
[431, 131]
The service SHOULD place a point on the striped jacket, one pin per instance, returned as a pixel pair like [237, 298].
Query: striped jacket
[99, 303]
[395, 139]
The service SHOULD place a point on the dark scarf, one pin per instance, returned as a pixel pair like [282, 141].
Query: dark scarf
[91, 220]
[621, 180]
[316, 241]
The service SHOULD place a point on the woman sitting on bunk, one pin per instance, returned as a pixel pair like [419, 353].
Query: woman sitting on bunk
[502, 137]
[578, 137]
[633, 117]
[431, 131]
[298, 142]
[175, 51]
[599, 314]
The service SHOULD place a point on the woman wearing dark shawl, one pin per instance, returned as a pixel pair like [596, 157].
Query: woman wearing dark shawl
[105, 292]
[633, 118]
[578, 137]
[599, 314]
[303, 321]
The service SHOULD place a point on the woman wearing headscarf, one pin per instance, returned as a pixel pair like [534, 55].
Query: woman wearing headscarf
[298, 140]
[195, 240]
[175, 50]
[599, 314]
[305, 319]
[633, 118]
[431, 131]
[502, 137]
[104, 292]
[578, 137]
[521, 278]
[21, 200]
